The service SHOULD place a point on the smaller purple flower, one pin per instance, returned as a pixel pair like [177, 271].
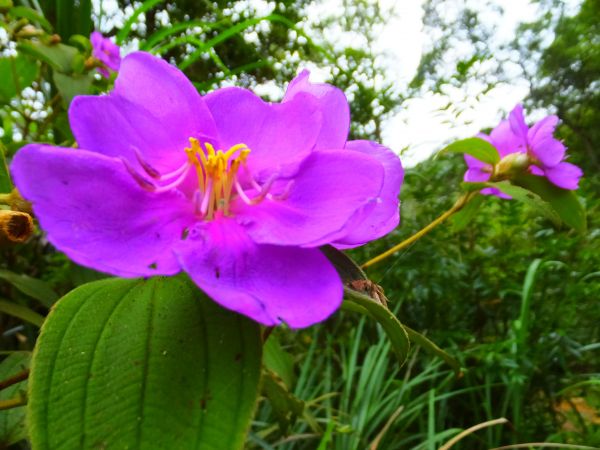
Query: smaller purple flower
[107, 52]
[520, 148]
[506, 143]
[547, 153]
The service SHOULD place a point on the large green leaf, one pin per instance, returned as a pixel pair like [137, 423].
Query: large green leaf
[476, 147]
[143, 364]
[564, 202]
[12, 421]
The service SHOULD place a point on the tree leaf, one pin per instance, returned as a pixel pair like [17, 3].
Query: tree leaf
[476, 147]
[564, 202]
[34, 288]
[12, 421]
[143, 364]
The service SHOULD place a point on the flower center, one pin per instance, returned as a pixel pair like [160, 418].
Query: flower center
[217, 174]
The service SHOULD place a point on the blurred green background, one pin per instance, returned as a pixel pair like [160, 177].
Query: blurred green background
[513, 298]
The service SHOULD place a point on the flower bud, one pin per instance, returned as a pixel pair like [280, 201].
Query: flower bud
[512, 164]
[15, 226]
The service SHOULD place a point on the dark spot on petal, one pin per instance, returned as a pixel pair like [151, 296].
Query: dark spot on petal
[217, 273]
[65, 182]
[184, 234]
[153, 266]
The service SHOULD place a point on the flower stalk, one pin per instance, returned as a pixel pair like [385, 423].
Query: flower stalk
[458, 205]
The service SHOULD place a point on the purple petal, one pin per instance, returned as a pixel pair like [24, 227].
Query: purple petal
[549, 152]
[477, 171]
[517, 122]
[278, 134]
[329, 187]
[153, 108]
[333, 105]
[94, 212]
[535, 170]
[268, 283]
[564, 175]
[542, 130]
[476, 176]
[505, 141]
[496, 192]
[474, 163]
[106, 51]
[374, 222]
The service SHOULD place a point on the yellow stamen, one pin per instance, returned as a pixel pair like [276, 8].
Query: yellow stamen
[216, 171]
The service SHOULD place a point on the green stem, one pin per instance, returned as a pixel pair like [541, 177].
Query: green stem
[460, 204]
[13, 402]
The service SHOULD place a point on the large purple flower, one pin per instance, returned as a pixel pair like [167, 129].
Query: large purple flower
[107, 52]
[237, 192]
[545, 151]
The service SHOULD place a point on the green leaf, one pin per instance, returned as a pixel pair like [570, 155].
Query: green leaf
[347, 269]
[286, 406]
[16, 74]
[59, 56]
[564, 202]
[73, 85]
[419, 339]
[5, 182]
[34, 288]
[73, 17]
[463, 217]
[528, 197]
[143, 364]
[477, 148]
[21, 312]
[32, 15]
[278, 360]
[355, 301]
[12, 421]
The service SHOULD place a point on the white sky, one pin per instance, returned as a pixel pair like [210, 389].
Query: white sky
[418, 128]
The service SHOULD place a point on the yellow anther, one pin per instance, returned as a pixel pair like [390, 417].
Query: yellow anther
[216, 171]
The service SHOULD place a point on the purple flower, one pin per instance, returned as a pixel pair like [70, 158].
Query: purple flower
[237, 192]
[107, 52]
[542, 154]
[506, 143]
[546, 152]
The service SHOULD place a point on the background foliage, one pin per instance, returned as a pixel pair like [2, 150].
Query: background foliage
[514, 299]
